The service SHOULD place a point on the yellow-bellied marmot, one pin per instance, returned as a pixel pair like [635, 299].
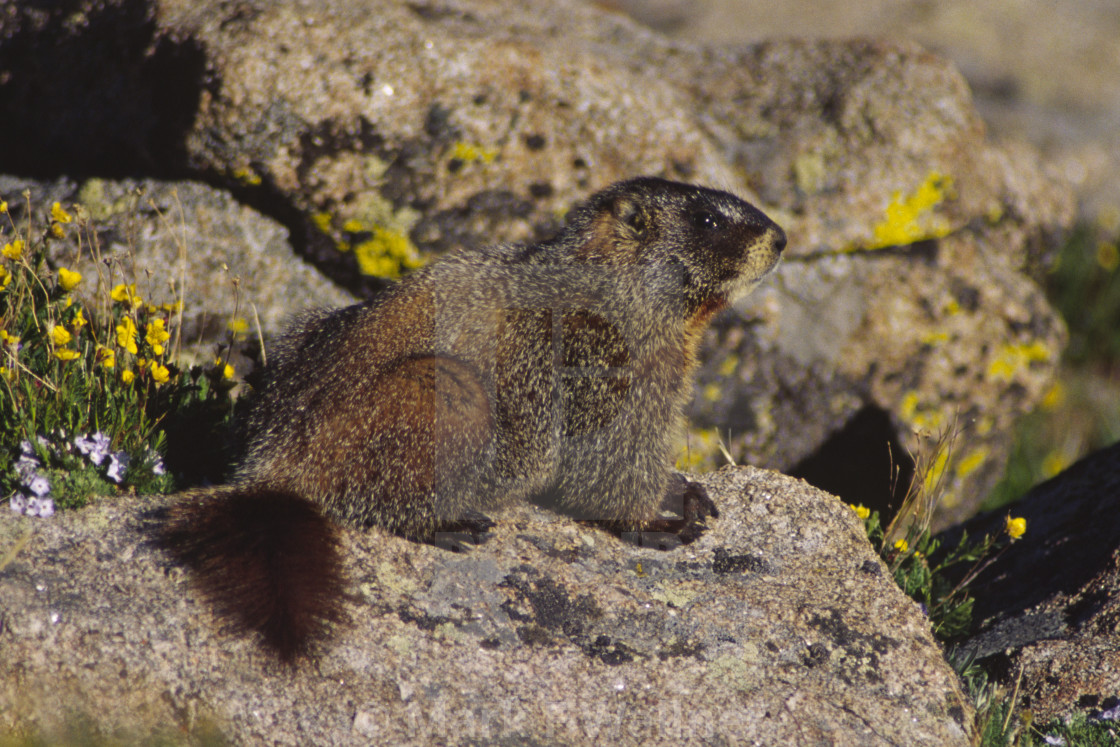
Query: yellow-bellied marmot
[555, 372]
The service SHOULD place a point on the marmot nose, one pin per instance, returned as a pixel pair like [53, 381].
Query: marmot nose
[779, 239]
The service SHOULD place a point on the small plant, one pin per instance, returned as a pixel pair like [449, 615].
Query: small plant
[939, 577]
[87, 382]
[924, 569]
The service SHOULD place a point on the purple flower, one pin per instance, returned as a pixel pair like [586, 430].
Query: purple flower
[118, 463]
[39, 485]
[27, 468]
[41, 507]
[19, 503]
[1112, 714]
[96, 447]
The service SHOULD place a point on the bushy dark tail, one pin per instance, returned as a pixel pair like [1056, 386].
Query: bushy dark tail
[268, 561]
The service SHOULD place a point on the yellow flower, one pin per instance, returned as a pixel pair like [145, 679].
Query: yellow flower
[155, 334]
[3, 206]
[14, 250]
[160, 373]
[66, 354]
[126, 334]
[7, 373]
[68, 280]
[902, 545]
[1016, 527]
[226, 369]
[106, 356]
[7, 338]
[861, 510]
[58, 214]
[57, 230]
[59, 335]
[126, 294]
[127, 376]
[5, 277]
[79, 320]
[238, 325]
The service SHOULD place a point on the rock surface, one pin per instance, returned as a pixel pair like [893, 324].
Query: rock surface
[779, 626]
[1050, 606]
[905, 298]
[1061, 91]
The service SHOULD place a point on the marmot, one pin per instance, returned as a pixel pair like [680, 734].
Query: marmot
[555, 373]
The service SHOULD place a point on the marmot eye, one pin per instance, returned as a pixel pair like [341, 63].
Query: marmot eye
[707, 221]
[636, 220]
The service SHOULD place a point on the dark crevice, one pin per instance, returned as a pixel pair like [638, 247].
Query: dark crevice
[96, 92]
[858, 463]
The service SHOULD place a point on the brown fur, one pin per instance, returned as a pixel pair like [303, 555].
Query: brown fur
[556, 372]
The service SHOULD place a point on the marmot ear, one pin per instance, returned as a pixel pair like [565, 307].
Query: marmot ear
[632, 215]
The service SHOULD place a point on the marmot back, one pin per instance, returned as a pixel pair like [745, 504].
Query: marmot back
[555, 372]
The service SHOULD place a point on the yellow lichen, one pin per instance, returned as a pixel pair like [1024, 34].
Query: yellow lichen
[927, 420]
[703, 444]
[377, 233]
[911, 218]
[935, 338]
[322, 221]
[908, 406]
[386, 253]
[247, 176]
[729, 365]
[468, 153]
[933, 475]
[1010, 359]
[1054, 397]
[972, 461]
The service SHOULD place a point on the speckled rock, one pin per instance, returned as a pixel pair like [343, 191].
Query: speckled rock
[1050, 605]
[381, 133]
[779, 626]
[865, 146]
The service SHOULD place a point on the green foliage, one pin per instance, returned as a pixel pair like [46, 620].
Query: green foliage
[1081, 413]
[1084, 286]
[1078, 730]
[923, 569]
[87, 383]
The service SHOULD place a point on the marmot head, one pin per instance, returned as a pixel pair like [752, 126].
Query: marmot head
[706, 246]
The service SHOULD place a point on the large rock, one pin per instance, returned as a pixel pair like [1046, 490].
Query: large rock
[780, 625]
[382, 132]
[1048, 609]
